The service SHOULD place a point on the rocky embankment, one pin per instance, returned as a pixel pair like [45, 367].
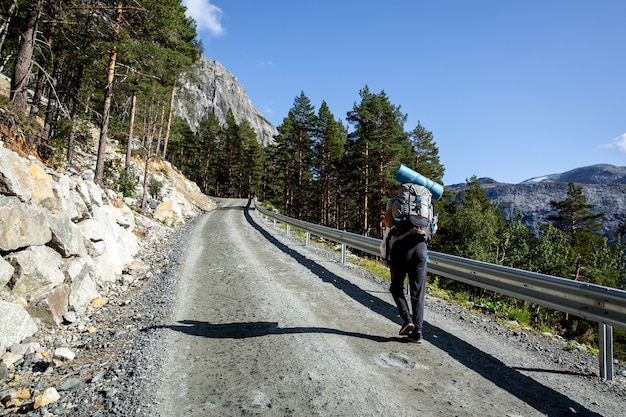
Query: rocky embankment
[70, 250]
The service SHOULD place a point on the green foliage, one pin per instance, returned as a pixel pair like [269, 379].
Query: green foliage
[376, 268]
[570, 347]
[154, 187]
[116, 177]
[521, 315]
[127, 183]
[426, 154]
[375, 149]
[473, 227]
[57, 152]
[294, 152]
[496, 307]
[154, 43]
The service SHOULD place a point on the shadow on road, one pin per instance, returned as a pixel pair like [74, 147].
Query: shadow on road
[544, 399]
[258, 329]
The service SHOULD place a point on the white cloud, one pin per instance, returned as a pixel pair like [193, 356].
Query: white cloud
[619, 143]
[206, 15]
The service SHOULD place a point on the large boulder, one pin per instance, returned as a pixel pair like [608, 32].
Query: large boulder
[38, 270]
[83, 288]
[42, 186]
[6, 272]
[113, 244]
[52, 307]
[81, 208]
[67, 238]
[64, 198]
[15, 180]
[22, 225]
[122, 215]
[169, 212]
[15, 324]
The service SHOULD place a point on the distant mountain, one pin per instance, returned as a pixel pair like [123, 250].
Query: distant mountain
[594, 174]
[211, 88]
[603, 185]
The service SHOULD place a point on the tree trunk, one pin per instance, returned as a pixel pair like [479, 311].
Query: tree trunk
[158, 146]
[70, 142]
[23, 62]
[4, 25]
[367, 189]
[42, 76]
[53, 104]
[108, 93]
[131, 126]
[144, 198]
[169, 123]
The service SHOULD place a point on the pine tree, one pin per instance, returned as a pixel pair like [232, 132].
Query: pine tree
[229, 164]
[294, 145]
[574, 216]
[210, 137]
[330, 138]
[376, 148]
[575, 219]
[252, 164]
[426, 154]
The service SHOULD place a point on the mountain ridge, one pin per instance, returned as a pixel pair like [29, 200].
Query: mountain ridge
[602, 185]
[591, 174]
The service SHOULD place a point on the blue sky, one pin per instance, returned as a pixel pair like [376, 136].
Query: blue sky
[510, 89]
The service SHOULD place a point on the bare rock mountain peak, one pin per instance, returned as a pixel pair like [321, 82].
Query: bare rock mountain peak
[211, 88]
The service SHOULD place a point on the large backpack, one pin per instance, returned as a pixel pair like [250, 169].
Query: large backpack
[412, 210]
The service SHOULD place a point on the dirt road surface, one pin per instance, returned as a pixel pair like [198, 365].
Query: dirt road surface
[267, 326]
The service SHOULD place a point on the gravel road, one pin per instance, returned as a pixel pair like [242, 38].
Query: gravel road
[264, 325]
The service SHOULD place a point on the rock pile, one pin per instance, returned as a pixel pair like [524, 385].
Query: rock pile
[68, 249]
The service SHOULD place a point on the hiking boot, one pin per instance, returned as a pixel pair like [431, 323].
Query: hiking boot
[415, 336]
[406, 328]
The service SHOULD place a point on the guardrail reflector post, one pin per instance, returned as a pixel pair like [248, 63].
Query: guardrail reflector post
[288, 229]
[308, 238]
[343, 253]
[605, 356]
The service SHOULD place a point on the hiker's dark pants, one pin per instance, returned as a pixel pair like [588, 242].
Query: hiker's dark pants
[408, 257]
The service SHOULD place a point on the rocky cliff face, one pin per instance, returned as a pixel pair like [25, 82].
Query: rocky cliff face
[210, 88]
[603, 185]
[533, 201]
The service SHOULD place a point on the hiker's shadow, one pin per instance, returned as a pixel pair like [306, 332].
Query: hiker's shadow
[259, 329]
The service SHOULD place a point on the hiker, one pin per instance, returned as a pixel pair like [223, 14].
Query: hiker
[407, 256]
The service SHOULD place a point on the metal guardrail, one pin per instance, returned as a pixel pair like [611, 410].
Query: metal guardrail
[604, 305]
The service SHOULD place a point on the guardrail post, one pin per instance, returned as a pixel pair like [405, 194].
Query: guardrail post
[274, 222]
[308, 239]
[288, 229]
[605, 356]
[343, 253]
